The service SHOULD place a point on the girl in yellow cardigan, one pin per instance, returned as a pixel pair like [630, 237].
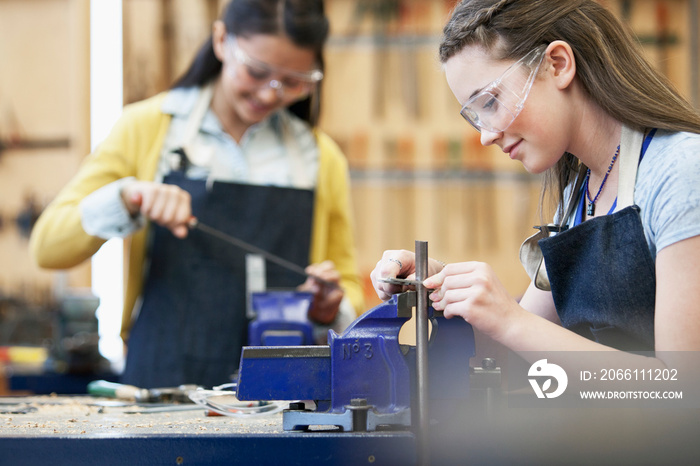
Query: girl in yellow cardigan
[233, 144]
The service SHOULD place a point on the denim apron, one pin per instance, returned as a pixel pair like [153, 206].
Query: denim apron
[192, 322]
[601, 271]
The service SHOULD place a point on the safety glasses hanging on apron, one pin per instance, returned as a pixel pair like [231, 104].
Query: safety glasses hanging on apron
[601, 273]
[192, 322]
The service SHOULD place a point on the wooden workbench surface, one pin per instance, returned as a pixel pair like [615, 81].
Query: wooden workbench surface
[85, 415]
[69, 430]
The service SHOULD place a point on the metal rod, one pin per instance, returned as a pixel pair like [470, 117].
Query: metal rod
[196, 224]
[423, 421]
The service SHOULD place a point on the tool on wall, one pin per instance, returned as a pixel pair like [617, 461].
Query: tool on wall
[34, 144]
[27, 217]
[13, 136]
[382, 13]
[663, 36]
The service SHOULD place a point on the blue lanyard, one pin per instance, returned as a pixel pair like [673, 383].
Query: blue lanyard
[582, 203]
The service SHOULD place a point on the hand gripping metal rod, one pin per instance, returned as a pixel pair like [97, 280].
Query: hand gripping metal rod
[423, 421]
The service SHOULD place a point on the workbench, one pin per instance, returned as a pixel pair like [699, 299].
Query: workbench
[84, 430]
[70, 430]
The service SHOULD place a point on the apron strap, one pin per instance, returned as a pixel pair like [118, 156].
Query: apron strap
[573, 202]
[194, 122]
[630, 152]
[298, 169]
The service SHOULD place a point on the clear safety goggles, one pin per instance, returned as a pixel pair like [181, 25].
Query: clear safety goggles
[496, 106]
[260, 75]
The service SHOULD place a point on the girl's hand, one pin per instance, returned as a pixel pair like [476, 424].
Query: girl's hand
[167, 205]
[472, 290]
[393, 264]
[327, 298]
[398, 264]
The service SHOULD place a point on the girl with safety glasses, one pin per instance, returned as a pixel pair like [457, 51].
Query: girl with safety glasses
[562, 87]
[234, 144]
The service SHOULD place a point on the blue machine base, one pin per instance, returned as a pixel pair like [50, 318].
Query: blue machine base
[301, 420]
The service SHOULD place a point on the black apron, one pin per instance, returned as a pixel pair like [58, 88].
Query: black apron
[603, 277]
[192, 322]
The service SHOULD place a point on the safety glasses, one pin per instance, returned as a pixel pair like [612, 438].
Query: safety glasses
[260, 75]
[496, 106]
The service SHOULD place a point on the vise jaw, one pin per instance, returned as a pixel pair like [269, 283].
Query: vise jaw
[364, 379]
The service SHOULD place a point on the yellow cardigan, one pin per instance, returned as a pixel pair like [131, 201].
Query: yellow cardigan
[133, 148]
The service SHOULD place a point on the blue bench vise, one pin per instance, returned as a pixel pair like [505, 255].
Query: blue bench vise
[364, 379]
[280, 318]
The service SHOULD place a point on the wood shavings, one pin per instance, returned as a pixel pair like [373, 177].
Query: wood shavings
[85, 416]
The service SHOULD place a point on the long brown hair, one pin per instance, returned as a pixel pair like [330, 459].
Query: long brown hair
[609, 63]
